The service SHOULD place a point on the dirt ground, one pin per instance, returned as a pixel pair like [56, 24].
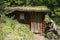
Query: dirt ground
[38, 37]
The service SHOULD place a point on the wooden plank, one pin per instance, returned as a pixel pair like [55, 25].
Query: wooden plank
[35, 23]
[43, 26]
[32, 22]
[27, 20]
[42, 22]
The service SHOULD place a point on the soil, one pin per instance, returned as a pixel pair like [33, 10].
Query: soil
[39, 37]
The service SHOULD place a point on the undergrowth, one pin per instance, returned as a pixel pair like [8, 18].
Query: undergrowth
[12, 30]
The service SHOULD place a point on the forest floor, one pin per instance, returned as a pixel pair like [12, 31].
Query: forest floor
[38, 37]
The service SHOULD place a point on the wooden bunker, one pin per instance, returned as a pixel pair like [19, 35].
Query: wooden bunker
[33, 18]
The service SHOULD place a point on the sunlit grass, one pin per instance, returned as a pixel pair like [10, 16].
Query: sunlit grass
[12, 30]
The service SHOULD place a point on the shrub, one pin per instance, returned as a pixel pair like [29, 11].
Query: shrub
[52, 36]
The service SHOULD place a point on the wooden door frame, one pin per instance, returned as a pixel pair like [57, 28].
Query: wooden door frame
[40, 22]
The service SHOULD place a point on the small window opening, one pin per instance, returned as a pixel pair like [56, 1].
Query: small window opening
[22, 18]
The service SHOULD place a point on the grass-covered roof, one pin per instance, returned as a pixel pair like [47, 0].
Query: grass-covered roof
[28, 9]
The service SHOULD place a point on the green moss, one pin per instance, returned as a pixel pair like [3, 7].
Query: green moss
[36, 6]
[32, 7]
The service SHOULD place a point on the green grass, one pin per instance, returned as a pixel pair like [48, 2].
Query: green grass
[12, 30]
[32, 7]
[36, 6]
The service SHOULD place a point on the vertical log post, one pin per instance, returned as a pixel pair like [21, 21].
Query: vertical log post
[42, 23]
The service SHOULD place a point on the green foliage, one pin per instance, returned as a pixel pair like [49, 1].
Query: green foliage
[13, 3]
[56, 15]
[57, 11]
[57, 20]
[10, 27]
[12, 30]
[52, 36]
[49, 3]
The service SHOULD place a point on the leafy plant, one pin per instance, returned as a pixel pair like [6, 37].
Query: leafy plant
[52, 36]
